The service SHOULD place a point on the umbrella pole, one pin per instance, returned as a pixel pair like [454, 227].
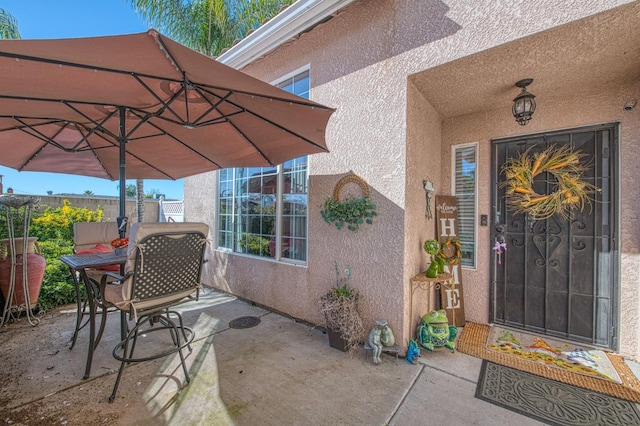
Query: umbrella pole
[122, 219]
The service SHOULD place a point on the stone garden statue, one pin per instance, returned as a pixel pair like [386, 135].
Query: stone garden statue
[379, 337]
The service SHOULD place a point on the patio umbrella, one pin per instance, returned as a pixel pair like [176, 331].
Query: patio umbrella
[143, 106]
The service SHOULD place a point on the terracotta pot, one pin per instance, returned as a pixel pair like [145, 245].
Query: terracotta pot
[35, 264]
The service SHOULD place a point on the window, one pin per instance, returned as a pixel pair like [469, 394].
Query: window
[465, 190]
[262, 211]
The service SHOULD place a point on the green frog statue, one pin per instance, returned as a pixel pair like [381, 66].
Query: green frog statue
[432, 247]
[435, 331]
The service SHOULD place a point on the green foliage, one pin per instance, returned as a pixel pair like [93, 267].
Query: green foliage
[208, 26]
[18, 221]
[54, 229]
[341, 289]
[57, 287]
[57, 294]
[254, 244]
[131, 190]
[354, 212]
[432, 247]
[57, 223]
[8, 26]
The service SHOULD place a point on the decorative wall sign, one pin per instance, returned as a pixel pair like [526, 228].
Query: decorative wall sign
[451, 299]
[429, 190]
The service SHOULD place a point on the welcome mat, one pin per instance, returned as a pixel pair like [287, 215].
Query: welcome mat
[551, 402]
[472, 341]
[553, 353]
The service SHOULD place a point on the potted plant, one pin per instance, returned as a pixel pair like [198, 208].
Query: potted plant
[339, 307]
[17, 211]
[432, 247]
[352, 211]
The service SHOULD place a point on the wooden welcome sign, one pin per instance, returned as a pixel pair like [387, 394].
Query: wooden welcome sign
[451, 298]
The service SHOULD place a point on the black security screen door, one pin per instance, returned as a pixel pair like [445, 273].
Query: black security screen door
[559, 276]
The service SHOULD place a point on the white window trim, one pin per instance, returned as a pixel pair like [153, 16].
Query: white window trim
[292, 74]
[279, 203]
[475, 189]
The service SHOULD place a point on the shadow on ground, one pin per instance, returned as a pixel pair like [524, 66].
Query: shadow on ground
[278, 372]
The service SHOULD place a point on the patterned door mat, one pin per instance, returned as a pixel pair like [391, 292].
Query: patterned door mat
[549, 401]
[473, 341]
[552, 353]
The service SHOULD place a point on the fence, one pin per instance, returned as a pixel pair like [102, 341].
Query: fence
[170, 211]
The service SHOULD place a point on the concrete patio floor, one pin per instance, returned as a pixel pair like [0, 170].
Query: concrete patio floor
[280, 372]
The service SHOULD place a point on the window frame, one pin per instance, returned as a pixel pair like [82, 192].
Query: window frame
[454, 149]
[279, 201]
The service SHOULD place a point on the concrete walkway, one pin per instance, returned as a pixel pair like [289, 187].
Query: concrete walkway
[279, 372]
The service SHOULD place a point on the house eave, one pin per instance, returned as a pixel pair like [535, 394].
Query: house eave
[294, 20]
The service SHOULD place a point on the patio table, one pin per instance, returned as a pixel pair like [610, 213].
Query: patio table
[80, 263]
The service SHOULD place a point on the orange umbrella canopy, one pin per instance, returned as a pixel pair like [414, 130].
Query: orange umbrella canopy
[90, 106]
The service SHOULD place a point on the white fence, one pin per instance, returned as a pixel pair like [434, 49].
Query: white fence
[171, 211]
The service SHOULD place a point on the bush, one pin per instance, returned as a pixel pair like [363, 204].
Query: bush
[58, 223]
[54, 230]
[58, 287]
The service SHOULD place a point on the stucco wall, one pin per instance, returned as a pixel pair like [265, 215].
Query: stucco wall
[599, 107]
[424, 153]
[389, 132]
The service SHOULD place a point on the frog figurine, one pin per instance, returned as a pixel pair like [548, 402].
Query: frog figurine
[432, 247]
[435, 331]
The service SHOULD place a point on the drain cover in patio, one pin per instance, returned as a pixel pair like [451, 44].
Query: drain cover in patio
[244, 322]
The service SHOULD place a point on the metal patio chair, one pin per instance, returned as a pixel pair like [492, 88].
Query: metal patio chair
[91, 237]
[163, 269]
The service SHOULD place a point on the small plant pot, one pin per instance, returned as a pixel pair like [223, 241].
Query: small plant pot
[336, 340]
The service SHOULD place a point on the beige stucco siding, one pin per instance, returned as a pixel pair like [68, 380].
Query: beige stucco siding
[397, 115]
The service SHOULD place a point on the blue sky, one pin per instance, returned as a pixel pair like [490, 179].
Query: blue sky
[39, 19]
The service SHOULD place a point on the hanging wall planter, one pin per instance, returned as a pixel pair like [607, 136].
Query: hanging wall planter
[353, 211]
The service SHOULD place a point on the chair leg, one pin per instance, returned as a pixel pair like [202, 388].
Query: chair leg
[178, 336]
[182, 327]
[120, 370]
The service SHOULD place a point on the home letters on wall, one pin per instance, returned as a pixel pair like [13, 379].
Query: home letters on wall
[451, 299]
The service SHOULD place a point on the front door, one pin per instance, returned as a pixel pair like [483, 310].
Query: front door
[559, 276]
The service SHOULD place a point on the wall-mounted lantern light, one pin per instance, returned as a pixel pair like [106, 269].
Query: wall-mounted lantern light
[524, 105]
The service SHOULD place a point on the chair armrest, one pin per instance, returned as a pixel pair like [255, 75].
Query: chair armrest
[106, 275]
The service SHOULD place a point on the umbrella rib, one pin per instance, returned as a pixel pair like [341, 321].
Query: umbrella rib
[37, 134]
[175, 63]
[98, 125]
[178, 140]
[137, 75]
[166, 105]
[309, 141]
[251, 143]
[49, 141]
[127, 138]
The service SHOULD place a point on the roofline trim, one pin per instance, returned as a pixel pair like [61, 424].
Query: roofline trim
[294, 20]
